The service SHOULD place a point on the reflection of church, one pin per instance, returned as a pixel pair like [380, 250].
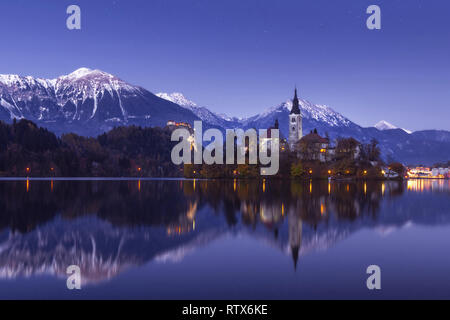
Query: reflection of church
[295, 234]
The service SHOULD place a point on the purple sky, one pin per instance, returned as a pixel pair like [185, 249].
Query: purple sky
[242, 56]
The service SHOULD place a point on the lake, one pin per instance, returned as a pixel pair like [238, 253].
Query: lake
[197, 239]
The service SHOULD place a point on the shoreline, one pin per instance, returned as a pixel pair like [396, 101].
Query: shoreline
[202, 179]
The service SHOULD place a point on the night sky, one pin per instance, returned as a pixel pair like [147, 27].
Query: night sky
[242, 56]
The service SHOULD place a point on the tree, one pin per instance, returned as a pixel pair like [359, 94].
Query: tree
[374, 151]
[346, 148]
[297, 170]
[398, 168]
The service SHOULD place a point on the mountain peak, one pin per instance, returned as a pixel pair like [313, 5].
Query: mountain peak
[384, 125]
[85, 72]
[81, 72]
[177, 98]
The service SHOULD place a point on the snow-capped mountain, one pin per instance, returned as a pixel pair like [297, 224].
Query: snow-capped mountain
[86, 101]
[314, 116]
[206, 115]
[384, 125]
[178, 98]
[90, 102]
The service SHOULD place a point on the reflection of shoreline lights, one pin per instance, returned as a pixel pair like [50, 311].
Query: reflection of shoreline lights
[420, 185]
[383, 188]
[187, 223]
[178, 230]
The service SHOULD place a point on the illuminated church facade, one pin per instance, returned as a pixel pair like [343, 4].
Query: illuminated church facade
[295, 123]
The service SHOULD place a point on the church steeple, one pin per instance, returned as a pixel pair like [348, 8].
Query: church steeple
[295, 123]
[295, 104]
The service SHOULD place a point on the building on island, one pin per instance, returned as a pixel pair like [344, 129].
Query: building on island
[313, 147]
[432, 173]
[295, 123]
[282, 143]
[172, 123]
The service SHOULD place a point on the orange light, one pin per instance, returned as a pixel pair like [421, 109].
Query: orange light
[139, 169]
[310, 171]
[365, 171]
[52, 169]
[28, 169]
[329, 171]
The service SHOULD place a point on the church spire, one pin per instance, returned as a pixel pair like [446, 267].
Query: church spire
[295, 104]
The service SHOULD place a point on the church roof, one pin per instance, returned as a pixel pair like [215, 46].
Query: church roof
[314, 137]
[295, 104]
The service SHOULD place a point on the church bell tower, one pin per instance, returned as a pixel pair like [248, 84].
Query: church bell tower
[295, 123]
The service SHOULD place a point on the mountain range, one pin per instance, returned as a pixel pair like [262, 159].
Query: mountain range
[89, 102]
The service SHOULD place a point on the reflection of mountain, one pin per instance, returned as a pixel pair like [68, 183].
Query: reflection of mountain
[97, 247]
[106, 227]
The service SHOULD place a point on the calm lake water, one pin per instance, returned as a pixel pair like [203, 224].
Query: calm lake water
[172, 239]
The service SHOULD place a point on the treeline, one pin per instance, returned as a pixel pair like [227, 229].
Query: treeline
[27, 150]
[351, 159]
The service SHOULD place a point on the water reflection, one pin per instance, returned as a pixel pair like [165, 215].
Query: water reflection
[107, 226]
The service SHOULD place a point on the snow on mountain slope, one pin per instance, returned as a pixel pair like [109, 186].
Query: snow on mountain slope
[310, 111]
[177, 98]
[85, 101]
[203, 113]
[89, 102]
[384, 125]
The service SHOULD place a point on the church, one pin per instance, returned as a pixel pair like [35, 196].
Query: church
[311, 146]
[295, 123]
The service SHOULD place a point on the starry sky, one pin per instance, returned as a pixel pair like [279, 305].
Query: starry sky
[240, 57]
